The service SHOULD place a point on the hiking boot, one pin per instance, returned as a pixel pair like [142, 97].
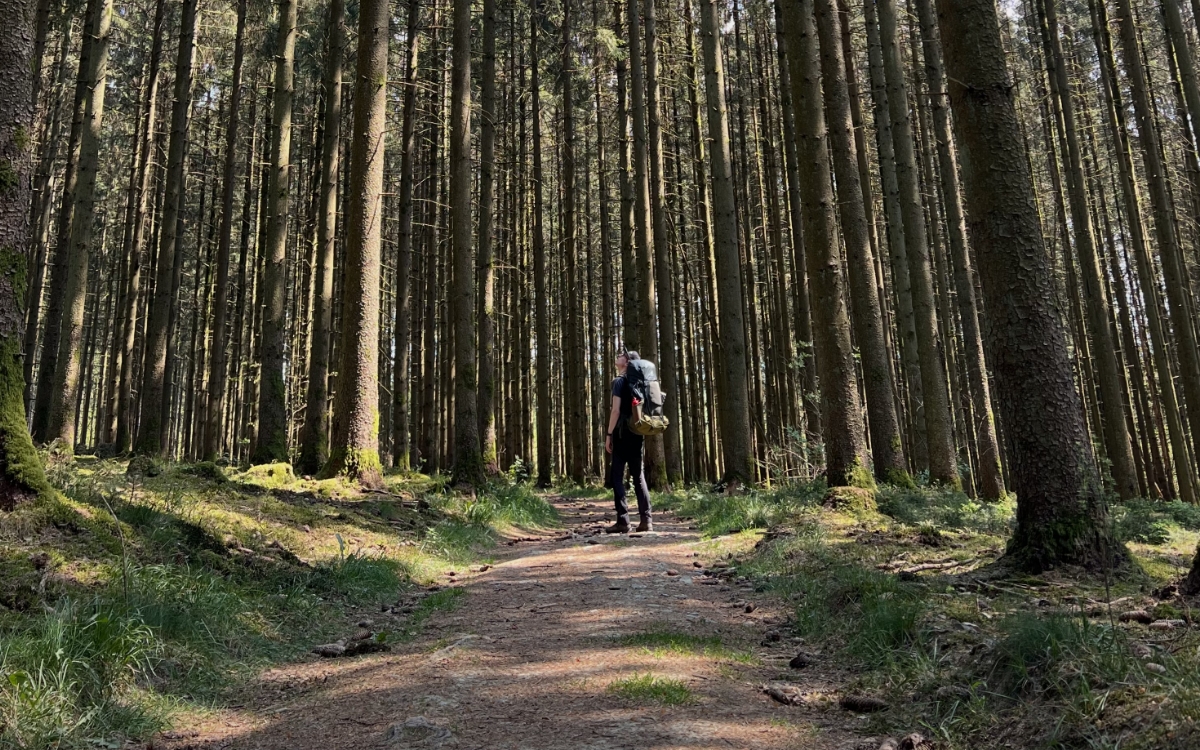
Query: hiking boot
[620, 527]
[645, 525]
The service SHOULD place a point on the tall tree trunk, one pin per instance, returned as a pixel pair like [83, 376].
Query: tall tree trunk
[736, 438]
[152, 427]
[270, 443]
[314, 434]
[939, 424]
[487, 241]
[1116, 439]
[801, 306]
[123, 439]
[1061, 517]
[1164, 223]
[51, 324]
[897, 252]
[401, 403]
[668, 471]
[887, 450]
[842, 430]
[991, 480]
[65, 390]
[218, 365]
[543, 407]
[354, 444]
[468, 460]
[574, 356]
[21, 475]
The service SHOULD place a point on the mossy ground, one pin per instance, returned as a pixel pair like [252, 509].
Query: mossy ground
[138, 597]
[914, 601]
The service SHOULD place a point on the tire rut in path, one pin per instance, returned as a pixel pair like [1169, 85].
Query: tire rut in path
[527, 659]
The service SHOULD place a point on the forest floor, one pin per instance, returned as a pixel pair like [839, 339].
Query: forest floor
[192, 607]
[571, 639]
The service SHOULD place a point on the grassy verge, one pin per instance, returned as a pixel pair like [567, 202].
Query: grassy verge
[908, 602]
[647, 688]
[164, 591]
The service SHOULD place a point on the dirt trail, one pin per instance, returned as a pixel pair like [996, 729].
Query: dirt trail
[525, 661]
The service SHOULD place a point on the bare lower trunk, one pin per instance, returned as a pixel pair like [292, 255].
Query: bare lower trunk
[21, 475]
[152, 426]
[314, 433]
[354, 444]
[270, 443]
[842, 428]
[1061, 518]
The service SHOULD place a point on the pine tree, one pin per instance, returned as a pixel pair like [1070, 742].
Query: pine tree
[1061, 517]
[354, 441]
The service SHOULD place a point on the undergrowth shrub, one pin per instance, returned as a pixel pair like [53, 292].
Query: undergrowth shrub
[63, 678]
[874, 616]
[717, 513]
[946, 508]
[1058, 654]
[1151, 522]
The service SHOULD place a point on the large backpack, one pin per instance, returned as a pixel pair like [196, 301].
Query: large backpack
[647, 417]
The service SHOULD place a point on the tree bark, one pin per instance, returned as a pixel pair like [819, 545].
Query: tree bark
[314, 433]
[1104, 351]
[842, 428]
[887, 450]
[991, 479]
[542, 405]
[1061, 518]
[401, 383]
[21, 475]
[354, 444]
[65, 389]
[669, 471]
[487, 242]
[152, 427]
[218, 366]
[736, 439]
[939, 424]
[271, 440]
[468, 460]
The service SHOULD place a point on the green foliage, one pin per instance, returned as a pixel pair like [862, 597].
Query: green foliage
[873, 615]
[1054, 653]
[205, 470]
[946, 508]
[664, 642]
[718, 514]
[269, 476]
[62, 679]
[1151, 522]
[650, 689]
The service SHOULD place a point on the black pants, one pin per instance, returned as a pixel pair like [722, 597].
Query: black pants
[628, 452]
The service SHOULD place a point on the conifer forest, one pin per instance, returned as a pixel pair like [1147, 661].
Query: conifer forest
[319, 301]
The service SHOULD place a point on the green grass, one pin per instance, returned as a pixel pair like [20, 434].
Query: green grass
[443, 600]
[719, 514]
[945, 508]
[155, 594]
[650, 689]
[985, 661]
[664, 642]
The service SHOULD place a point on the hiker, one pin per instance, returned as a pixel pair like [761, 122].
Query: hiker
[627, 448]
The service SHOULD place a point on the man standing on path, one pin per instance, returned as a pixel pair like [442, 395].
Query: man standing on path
[627, 448]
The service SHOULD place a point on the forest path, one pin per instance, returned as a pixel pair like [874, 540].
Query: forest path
[527, 659]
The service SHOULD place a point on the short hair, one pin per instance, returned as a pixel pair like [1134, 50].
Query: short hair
[631, 355]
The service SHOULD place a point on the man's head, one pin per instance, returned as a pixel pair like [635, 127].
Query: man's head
[624, 357]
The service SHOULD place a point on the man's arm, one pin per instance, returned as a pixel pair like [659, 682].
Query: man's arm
[613, 416]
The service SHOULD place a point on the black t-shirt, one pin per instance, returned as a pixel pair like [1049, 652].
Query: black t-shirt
[621, 390]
